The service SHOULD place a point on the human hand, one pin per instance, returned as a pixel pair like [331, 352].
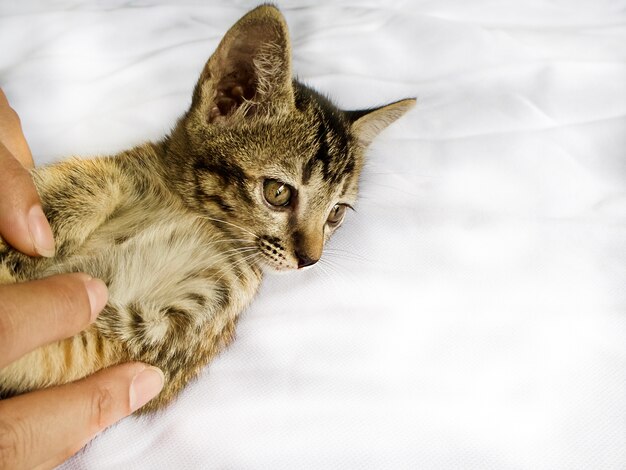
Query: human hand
[22, 221]
[42, 428]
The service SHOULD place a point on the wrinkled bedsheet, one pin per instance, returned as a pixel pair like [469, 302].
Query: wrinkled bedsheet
[471, 314]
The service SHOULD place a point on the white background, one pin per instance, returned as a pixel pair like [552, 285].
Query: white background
[473, 315]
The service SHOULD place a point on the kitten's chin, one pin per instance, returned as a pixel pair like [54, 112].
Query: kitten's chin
[273, 269]
[280, 270]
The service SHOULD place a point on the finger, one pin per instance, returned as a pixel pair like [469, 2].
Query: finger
[37, 312]
[22, 221]
[11, 133]
[48, 426]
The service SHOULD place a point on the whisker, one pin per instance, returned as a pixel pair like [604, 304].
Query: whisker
[347, 254]
[334, 256]
[326, 275]
[330, 264]
[329, 268]
[220, 257]
[228, 223]
[231, 240]
[235, 264]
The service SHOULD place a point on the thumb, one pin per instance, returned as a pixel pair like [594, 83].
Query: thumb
[45, 427]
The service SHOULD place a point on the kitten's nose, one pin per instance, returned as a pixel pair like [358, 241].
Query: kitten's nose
[304, 260]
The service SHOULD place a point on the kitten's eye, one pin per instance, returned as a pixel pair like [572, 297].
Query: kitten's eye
[276, 193]
[336, 214]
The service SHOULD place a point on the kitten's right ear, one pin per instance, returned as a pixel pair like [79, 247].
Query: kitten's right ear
[250, 71]
[368, 123]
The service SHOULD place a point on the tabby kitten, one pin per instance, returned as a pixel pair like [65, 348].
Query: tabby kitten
[256, 175]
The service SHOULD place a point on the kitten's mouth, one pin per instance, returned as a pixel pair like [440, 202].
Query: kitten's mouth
[276, 266]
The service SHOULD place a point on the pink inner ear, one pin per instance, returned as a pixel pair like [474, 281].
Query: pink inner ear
[232, 91]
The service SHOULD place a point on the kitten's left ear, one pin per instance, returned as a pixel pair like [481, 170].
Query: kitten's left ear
[250, 71]
[368, 123]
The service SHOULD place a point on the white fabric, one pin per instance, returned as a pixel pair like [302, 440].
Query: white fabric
[474, 313]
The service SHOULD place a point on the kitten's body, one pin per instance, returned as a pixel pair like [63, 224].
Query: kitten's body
[176, 280]
[179, 230]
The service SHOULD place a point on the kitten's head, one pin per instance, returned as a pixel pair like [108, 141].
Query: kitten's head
[274, 160]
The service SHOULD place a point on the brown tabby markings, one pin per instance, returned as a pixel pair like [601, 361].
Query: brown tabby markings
[179, 229]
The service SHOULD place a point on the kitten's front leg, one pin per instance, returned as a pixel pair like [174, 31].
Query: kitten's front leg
[78, 196]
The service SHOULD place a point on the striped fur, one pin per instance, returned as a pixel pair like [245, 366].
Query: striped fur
[179, 229]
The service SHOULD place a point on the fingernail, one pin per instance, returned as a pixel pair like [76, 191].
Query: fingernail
[145, 386]
[40, 232]
[98, 295]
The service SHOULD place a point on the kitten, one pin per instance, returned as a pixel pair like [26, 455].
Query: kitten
[256, 175]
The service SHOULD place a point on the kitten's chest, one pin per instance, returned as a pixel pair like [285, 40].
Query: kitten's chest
[162, 265]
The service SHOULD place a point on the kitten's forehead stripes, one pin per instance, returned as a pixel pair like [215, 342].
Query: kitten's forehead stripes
[228, 172]
[307, 170]
[332, 136]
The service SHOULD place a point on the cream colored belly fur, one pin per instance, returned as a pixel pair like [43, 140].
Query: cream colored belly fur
[158, 261]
